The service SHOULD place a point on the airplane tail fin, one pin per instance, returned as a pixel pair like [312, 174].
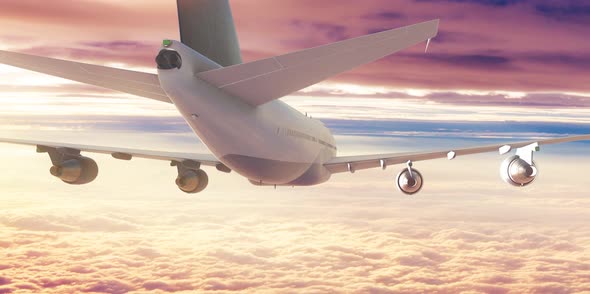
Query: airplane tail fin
[207, 27]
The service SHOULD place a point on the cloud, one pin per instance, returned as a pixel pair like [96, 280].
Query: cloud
[119, 45]
[538, 100]
[80, 269]
[385, 15]
[109, 286]
[469, 98]
[382, 249]
[26, 286]
[168, 287]
[85, 13]
[54, 283]
[67, 224]
[566, 11]
[574, 61]
[329, 31]
[224, 285]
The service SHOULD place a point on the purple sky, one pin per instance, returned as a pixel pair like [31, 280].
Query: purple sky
[515, 45]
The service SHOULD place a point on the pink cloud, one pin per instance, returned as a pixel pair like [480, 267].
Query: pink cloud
[109, 286]
[323, 256]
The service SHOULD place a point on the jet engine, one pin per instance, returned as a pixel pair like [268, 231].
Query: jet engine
[192, 181]
[69, 166]
[517, 172]
[191, 178]
[409, 181]
[79, 170]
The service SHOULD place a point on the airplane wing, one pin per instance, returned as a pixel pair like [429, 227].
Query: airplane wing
[354, 163]
[121, 153]
[265, 80]
[132, 82]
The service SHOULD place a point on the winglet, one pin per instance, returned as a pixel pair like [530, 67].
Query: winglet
[427, 44]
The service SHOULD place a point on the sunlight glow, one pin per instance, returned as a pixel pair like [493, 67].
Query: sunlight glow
[507, 94]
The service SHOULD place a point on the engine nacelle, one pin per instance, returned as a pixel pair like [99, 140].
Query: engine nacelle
[192, 181]
[76, 171]
[517, 172]
[409, 181]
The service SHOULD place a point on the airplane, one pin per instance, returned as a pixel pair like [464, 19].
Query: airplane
[234, 108]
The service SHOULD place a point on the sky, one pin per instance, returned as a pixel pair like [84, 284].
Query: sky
[500, 70]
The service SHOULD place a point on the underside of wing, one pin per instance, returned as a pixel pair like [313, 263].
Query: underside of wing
[74, 168]
[126, 81]
[354, 163]
[264, 80]
[122, 153]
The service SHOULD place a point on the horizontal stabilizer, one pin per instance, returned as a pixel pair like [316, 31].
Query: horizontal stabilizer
[265, 80]
[132, 82]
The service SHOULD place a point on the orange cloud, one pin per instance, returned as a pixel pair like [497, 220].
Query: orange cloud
[294, 244]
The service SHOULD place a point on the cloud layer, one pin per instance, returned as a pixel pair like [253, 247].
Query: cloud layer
[293, 243]
[132, 231]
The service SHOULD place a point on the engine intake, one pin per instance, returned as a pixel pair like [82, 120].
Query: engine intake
[517, 172]
[409, 181]
[76, 171]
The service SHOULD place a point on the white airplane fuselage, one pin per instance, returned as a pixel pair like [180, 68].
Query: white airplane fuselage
[271, 144]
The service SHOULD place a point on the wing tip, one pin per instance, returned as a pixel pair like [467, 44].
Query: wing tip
[437, 24]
